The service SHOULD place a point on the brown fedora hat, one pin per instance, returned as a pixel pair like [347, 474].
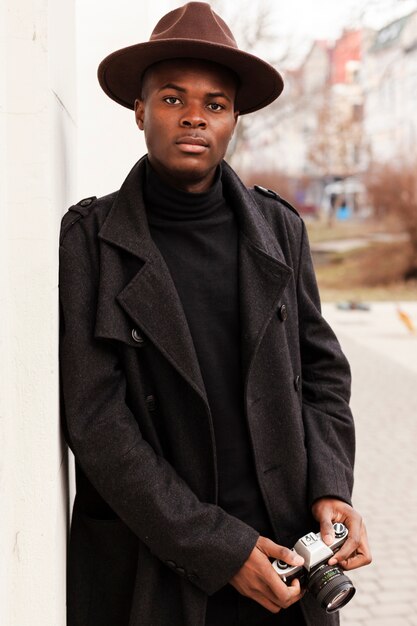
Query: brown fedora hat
[193, 31]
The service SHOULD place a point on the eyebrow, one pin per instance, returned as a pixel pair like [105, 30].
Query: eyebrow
[210, 94]
[172, 86]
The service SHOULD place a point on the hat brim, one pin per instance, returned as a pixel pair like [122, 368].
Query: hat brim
[120, 73]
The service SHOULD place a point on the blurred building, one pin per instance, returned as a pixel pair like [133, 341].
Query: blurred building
[389, 77]
[350, 102]
[320, 117]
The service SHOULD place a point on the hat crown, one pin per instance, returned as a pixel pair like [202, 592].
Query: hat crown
[195, 20]
[193, 31]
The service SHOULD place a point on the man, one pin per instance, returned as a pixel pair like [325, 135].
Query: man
[204, 397]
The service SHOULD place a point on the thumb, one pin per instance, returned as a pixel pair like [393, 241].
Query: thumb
[327, 530]
[274, 550]
[323, 514]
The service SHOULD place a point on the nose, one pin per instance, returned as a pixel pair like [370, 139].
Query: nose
[193, 118]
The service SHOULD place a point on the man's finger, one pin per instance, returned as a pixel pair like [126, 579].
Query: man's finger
[355, 553]
[327, 531]
[352, 543]
[272, 549]
[257, 578]
[325, 517]
[348, 548]
[357, 560]
[284, 595]
[267, 603]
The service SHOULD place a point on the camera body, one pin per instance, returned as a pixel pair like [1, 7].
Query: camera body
[332, 588]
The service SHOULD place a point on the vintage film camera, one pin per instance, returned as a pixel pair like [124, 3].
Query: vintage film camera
[327, 583]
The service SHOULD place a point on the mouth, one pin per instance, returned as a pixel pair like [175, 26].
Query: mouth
[194, 145]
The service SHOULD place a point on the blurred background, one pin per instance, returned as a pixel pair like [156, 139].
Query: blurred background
[339, 144]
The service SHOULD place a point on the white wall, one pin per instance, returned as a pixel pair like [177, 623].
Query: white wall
[37, 131]
[109, 142]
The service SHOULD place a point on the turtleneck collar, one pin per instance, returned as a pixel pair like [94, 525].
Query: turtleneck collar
[164, 203]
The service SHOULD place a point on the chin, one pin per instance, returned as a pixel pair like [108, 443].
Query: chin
[184, 172]
[192, 171]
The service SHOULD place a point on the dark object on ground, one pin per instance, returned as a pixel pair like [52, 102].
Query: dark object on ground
[352, 305]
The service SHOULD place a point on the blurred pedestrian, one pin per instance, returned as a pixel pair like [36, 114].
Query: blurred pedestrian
[343, 212]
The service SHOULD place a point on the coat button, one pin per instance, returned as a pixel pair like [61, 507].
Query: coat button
[283, 313]
[137, 337]
[150, 403]
[297, 383]
[192, 577]
[171, 564]
[86, 201]
[181, 570]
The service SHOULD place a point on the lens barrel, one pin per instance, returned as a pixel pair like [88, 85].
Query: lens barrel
[331, 587]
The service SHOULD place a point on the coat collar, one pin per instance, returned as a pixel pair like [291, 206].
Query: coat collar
[126, 225]
[150, 298]
[263, 271]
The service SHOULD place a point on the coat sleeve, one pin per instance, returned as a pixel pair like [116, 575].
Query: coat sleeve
[328, 422]
[198, 540]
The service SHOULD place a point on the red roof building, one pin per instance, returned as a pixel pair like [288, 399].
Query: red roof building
[346, 55]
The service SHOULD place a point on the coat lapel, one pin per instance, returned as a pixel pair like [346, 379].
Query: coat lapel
[149, 297]
[263, 272]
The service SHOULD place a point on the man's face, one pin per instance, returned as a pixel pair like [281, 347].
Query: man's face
[187, 114]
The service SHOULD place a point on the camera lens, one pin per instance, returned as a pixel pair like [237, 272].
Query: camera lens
[331, 587]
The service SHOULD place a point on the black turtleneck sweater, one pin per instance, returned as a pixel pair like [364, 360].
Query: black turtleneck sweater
[197, 235]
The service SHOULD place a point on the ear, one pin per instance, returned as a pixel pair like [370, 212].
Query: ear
[236, 116]
[139, 113]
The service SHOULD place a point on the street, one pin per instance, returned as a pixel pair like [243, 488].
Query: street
[383, 357]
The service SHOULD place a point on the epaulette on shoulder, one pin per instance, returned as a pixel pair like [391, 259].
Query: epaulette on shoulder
[273, 194]
[75, 213]
[84, 206]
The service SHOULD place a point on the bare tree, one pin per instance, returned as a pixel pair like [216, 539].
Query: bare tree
[382, 11]
[255, 28]
[337, 144]
[392, 189]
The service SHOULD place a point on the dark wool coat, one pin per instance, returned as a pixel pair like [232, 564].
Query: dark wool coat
[148, 542]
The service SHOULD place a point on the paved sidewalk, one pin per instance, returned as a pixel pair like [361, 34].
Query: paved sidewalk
[383, 357]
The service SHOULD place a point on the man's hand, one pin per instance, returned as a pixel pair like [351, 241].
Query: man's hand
[355, 551]
[258, 580]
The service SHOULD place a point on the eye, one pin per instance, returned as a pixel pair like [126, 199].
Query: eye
[215, 106]
[172, 100]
